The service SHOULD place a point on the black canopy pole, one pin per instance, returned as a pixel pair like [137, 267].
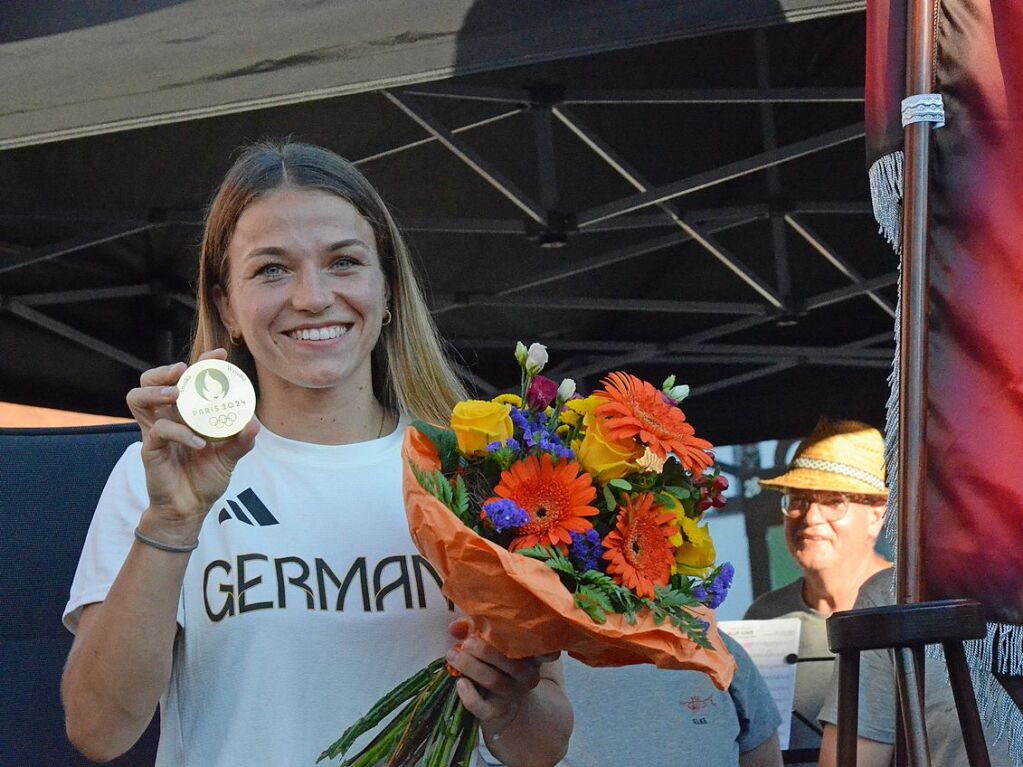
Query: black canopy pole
[914, 317]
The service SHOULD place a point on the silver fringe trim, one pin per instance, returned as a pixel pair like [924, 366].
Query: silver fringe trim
[886, 195]
[891, 426]
[998, 711]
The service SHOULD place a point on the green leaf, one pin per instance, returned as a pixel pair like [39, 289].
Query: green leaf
[621, 484]
[454, 495]
[461, 500]
[678, 491]
[609, 499]
[444, 440]
[537, 552]
[591, 602]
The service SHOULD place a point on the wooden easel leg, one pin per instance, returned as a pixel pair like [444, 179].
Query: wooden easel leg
[907, 675]
[966, 705]
[848, 706]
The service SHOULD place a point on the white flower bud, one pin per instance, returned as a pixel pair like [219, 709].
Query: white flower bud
[520, 353]
[678, 393]
[536, 358]
[566, 390]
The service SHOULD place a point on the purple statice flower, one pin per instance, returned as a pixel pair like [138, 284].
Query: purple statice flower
[700, 594]
[512, 444]
[537, 434]
[719, 587]
[494, 446]
[552, 444]
[505, 514]
[586, 549]
[519, 419]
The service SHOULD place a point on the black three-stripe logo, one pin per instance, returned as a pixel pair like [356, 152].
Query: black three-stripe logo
[258, 513]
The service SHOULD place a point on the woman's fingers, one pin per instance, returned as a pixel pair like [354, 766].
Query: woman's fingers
[474, 702]
[164, 432]
[492, 671]
[489, 678]
[220, 353]
[237, 446]
[158, 388]
[524, 673]
[168, 375]
[460, 628]
[165, 375]
[148, 398]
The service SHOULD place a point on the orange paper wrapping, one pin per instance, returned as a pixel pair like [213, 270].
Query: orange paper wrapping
[520, 606]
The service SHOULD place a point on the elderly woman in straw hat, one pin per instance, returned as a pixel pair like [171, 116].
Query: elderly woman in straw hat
[832, 503]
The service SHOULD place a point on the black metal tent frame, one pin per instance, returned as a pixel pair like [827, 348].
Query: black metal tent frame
[655, 213]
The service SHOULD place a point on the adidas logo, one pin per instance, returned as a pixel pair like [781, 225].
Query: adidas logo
[258, 513]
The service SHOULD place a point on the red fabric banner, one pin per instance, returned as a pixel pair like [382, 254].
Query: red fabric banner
[974, 542]
[885, 77]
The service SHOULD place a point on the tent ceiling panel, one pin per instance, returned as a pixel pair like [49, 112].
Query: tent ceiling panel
[195, 60]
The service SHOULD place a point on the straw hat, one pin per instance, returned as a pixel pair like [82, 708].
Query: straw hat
[840, 456]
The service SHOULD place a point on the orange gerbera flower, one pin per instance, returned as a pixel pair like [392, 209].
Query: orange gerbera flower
[639, 549]
[556, 497]
[635, 408]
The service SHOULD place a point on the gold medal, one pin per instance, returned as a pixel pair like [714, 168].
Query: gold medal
[216, 399]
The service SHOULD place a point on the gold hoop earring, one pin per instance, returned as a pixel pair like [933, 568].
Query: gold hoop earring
[387, 318]
[235, 341]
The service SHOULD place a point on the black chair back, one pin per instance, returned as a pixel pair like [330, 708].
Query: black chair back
[50, 480]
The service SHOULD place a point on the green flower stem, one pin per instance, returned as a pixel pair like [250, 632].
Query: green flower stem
[420, 725]
[381, 745]
[389, 739]
[445, 732]
[403, 692]
[467, 742]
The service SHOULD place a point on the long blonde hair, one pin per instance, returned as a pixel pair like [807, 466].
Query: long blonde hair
[410, 371]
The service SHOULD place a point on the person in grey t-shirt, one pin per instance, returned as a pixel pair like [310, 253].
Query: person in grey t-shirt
[875, 745]
[643, 715]
[833, 502]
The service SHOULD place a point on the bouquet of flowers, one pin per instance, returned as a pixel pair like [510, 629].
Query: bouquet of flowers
[557, 522]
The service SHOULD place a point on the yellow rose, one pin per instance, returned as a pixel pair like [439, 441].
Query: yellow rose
[509, 399]
[604, 458]
[477, 423]
[694, 548]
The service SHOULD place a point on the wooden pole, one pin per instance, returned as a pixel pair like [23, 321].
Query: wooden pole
[913, 321]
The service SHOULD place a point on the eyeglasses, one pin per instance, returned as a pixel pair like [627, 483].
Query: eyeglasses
[832, 506]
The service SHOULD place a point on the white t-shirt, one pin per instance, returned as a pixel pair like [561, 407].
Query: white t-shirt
[304, 603]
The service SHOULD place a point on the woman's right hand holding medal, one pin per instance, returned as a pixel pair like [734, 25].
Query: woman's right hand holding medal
[185, 473]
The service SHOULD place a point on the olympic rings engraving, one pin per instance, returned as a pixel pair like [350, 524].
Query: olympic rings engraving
[225, 419]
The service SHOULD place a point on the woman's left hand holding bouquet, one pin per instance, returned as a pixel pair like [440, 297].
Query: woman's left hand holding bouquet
[524, 714]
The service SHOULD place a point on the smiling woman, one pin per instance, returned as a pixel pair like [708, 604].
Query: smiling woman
[305, 282]
[321, 206]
